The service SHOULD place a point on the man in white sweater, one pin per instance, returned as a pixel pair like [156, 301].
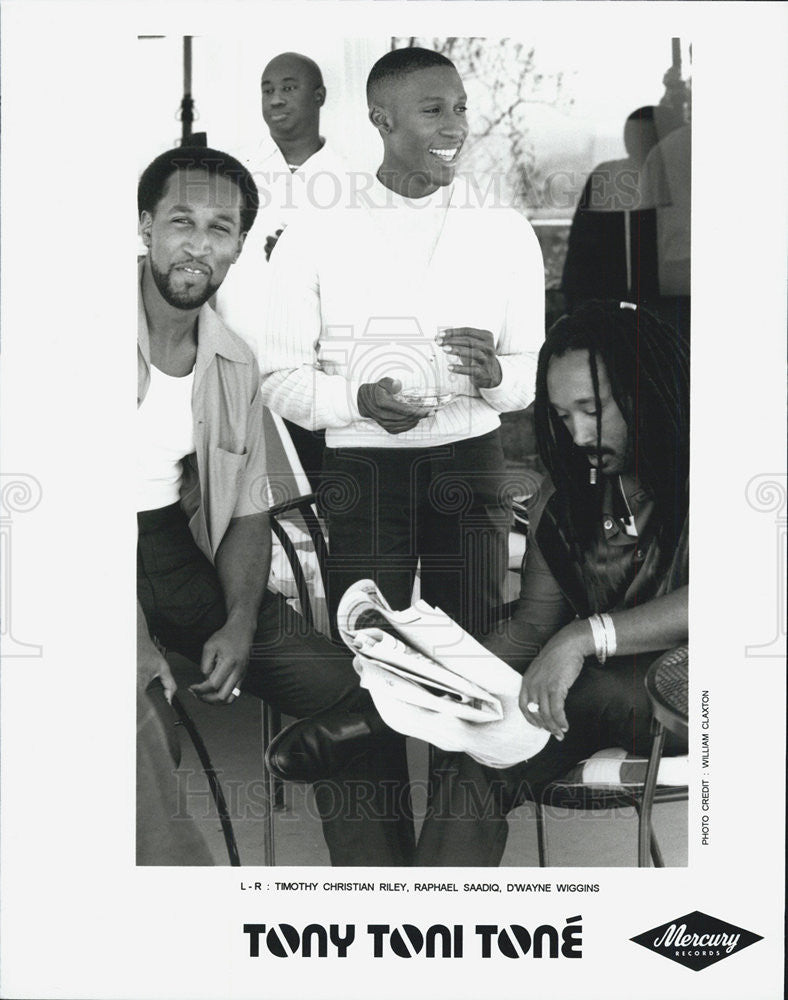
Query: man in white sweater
[404, 323]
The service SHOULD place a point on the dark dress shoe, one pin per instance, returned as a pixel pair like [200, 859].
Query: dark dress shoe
[322, 746]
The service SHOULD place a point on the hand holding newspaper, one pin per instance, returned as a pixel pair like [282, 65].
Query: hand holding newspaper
[430, 679]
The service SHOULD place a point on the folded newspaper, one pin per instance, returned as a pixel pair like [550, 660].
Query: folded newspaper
[430, 679]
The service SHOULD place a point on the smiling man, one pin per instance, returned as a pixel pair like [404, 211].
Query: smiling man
[604, 587]
[405, 323]
[418, 104]
[204, 538]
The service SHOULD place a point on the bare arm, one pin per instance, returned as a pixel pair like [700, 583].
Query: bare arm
[539, 614]
[150, 662]
[657, 624]
[243, 561]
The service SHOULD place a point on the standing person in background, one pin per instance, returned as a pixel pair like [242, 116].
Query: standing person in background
[666, 188]
[296, 172]
[612, 251]
[410, 292]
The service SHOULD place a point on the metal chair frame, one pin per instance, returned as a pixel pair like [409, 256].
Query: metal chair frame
[643, 796]
[272, 717]
[185, 720]
[668, 672]
[595, 798]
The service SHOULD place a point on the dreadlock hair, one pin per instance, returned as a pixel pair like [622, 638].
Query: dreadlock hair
[647, 364]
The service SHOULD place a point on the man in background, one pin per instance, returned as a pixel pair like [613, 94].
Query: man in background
[612, 251]
[296, 172]
[666, 185]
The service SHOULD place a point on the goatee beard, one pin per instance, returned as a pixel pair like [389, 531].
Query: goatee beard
[185, 300]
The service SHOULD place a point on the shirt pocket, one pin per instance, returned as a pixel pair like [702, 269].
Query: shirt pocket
[225, 478]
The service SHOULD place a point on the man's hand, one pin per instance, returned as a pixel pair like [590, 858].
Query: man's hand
[271, 241]
[547, 681]
[225, 657]
[151, 664]
[150, 659]
[377, 400]
[475, 353]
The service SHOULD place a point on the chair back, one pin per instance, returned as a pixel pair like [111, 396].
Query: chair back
[300, 513]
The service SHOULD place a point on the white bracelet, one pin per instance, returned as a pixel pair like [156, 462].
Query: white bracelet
[610, 634]
[599, 633]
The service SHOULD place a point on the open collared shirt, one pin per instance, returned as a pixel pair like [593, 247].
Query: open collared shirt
[620, 568]
[225, 476]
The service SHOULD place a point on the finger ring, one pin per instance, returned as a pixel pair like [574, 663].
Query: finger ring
[236, 692]
[532, 706]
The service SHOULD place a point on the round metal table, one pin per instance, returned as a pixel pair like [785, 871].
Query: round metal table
[667, 690]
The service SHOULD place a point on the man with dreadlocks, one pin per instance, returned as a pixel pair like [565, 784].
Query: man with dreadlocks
[604, 587]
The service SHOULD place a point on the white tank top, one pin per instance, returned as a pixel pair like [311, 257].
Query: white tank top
[165, 435]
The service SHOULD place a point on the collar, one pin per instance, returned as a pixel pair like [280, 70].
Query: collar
[213, 337]
[555, 548]
[385, 197]
[267, 150]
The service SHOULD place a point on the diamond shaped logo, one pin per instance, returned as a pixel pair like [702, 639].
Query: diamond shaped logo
[696, 940]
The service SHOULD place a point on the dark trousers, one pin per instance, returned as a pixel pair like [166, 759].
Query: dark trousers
[447, 507]
[309, 446]
[606, 706]
[365, 808]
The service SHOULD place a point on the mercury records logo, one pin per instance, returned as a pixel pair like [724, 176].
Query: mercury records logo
[697, 940]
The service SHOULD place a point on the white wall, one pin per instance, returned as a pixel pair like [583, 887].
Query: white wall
[226, 88]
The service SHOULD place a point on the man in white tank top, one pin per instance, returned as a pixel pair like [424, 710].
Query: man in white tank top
[204, 542]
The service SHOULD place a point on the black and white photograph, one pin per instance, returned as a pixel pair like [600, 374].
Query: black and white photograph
[396, 307]
[474, 318]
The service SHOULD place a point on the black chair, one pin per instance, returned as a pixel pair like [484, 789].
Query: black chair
[186, 721]
[301, 508]
[666, 686]
[301, 513]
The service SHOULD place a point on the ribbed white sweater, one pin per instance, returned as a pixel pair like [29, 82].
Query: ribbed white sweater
[360, 292]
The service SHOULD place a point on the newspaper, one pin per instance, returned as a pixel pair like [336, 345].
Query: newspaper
[430, 679]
